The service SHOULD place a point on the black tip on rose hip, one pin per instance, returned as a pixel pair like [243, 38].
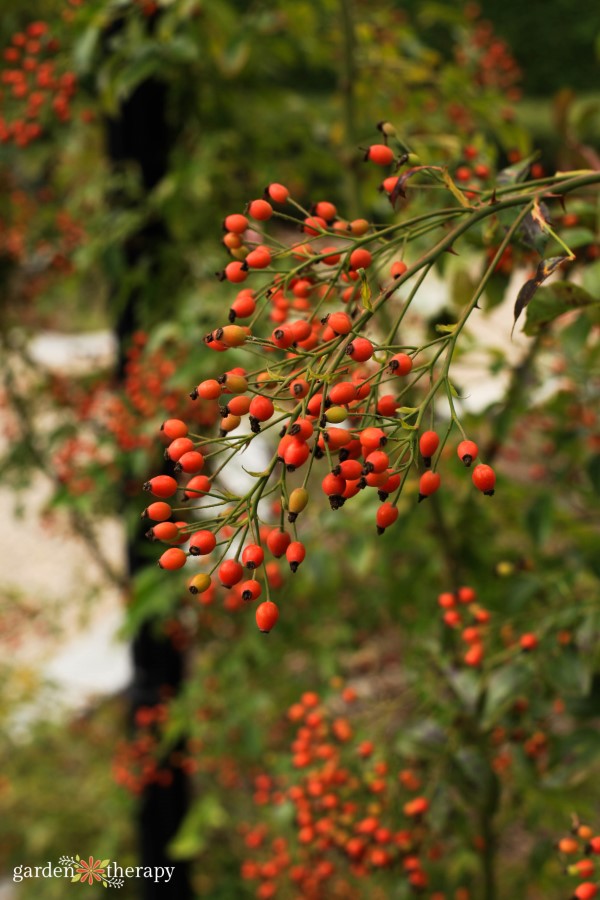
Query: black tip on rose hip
[422, 497]
[292, 516]
[467, 459]
[194, 394]
[380, 530]
[294, 566]
[489, 493]
[427, 462]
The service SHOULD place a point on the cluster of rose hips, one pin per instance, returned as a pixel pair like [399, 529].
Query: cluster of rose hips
[332, 387]
[35, 91]
[494, 64]
[577, 853]
[346, 802]
[135, 763]
[144, 761]
[464, 603]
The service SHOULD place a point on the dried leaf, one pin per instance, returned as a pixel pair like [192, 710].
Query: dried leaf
[548, 266]
[523, 298]
[544, 270]
[537, 214]
[400, 186]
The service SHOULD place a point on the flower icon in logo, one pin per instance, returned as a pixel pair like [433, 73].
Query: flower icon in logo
[90, 870]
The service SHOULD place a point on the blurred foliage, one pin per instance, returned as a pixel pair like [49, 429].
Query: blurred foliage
[554, 48]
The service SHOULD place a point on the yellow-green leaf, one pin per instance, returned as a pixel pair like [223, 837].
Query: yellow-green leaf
[365, 291]
[454, 189]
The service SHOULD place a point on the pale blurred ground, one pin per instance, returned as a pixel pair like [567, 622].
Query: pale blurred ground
[49, 563]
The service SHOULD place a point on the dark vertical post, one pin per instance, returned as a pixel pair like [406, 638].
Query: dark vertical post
[140, 134]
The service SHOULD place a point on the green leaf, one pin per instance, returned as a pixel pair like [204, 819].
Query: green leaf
[591, 279]
[581, 752]
[538, 518]
[495, 289]
[104, 863]
[593, 470]
[574, 337]
[85, 48]
[568, 673]
[76, 878]
[463, 288]
[504, 686]
[517, 172]
[553, 301]
[577, 237]
[206, 815]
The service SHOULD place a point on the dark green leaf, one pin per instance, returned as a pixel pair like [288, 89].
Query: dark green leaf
[593, 470]
[580, 756]
[538, 518]
[495, 290]
[568, 673]
[575, 335]
[503, 686]
[517, 172]
[553, 301]
[577, 237]
[591, 279]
